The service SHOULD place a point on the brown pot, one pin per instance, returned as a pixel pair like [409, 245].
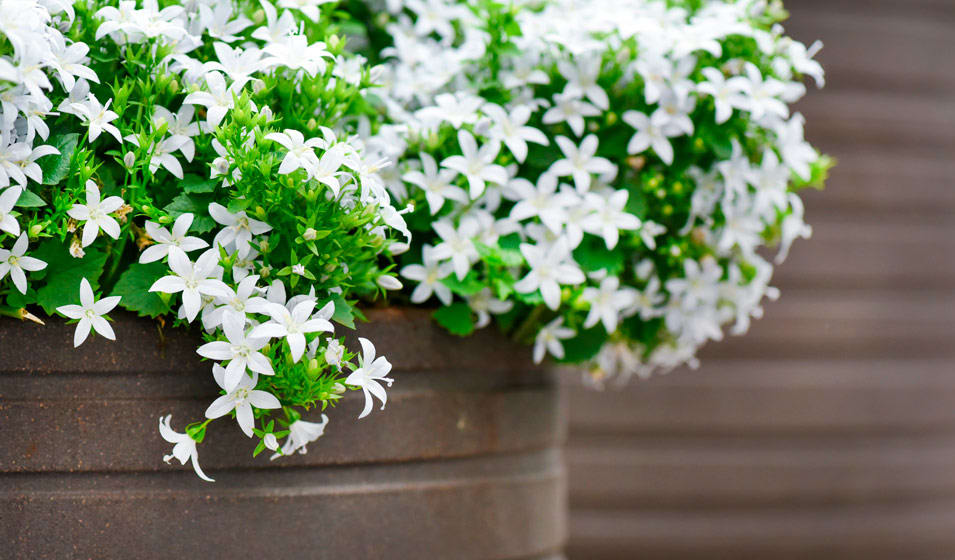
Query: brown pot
[464, 462]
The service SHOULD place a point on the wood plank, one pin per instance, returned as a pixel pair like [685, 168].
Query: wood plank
[860, 252]
[654, 471]
[731, 398]
[910, 530]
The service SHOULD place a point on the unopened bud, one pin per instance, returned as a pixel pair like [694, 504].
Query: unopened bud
[310, 234]
[389, 282]
[129, 160]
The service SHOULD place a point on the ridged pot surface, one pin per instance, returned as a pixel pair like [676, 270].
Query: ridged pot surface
[463, 463]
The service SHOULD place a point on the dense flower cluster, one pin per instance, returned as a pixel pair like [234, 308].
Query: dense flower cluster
[199, 160]
[600, 175]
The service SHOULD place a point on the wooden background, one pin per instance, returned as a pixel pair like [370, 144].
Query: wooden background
[829, 431]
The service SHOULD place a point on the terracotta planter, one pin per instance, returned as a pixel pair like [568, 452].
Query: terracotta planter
[463, 463]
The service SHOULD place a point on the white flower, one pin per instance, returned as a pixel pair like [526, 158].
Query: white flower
[571, 110]
[457, 109]
[609, 217]
[301, 152]
[294, 325]
[548, 339]
[241, 350]
[510, 127]
[240, 398]
[428, 276]
[764, 94]
[477, 165]
[97, 118]
[164, 239]
[436, 184]
[542, 201]
[239, 64]
[295, 52]
[15, 262]
[217, 101]
[371, 370]
[300, 434]
[549, 269]
[607, 302]
[652, 132]
[192, 279]
[239, 228]
[90, 314]
[727, 94]
[8, 199]
[580, 163]
[699, 286]
[219, 23]
[582, 79]
[457, 244]
[308, 7]
[334, 353]
[95, 214]
[483, 303]
[238, 302]
[180, 127]
[184, 448]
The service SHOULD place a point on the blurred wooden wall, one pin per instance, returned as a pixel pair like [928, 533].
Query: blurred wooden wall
[828, 432]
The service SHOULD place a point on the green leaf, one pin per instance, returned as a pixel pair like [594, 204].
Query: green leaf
[196, 184]
[456, 318]
[63, 273]
[30, 200]
[593, 255]
[344, 314]
[57, 166]
[133, 286]
[467, 287]
[584, 346]
[498, 256]
[196, 205]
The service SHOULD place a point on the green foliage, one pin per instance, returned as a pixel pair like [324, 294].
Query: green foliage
[64, 273]
[133, 286]
[456, 318]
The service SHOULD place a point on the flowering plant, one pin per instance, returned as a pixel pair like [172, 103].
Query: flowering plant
[196, 162]
[598, 175]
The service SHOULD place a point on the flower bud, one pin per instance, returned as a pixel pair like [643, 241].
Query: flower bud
[334, 353]
[129, 159]
[271, 441]
[310, 234]
[389, 282]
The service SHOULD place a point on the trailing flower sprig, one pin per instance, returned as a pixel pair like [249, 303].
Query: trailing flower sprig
[198, 162]
[599, 175]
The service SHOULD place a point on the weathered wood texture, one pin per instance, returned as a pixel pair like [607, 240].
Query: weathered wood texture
[463, 463]
[828, 432]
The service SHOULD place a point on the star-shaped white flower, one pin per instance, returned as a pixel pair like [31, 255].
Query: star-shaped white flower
[242, 300]
[192, 279]
[572, 110]
[549, 269]
[164, 239]
[90, 314]
[96, 214]
[241, 399]
[477, 165]
[581, 163]
[239, 229]
[301, 152]
[295, 324]
[428, 275]
[8, 199]
[511, 128]
[548, 340]
[300, 434]
[435, 183]
[97, 117]
[217, 100]
[184, 448]
[457, 245]
[16, 262]
[652, 132]
[609, 217]
[241, 351]
[542, 201]
[371, 370]
[607, 302]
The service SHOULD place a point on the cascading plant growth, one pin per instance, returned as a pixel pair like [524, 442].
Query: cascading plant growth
[197, 162]
[599, 175]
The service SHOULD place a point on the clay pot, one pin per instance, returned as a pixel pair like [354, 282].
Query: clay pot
[464, 462]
